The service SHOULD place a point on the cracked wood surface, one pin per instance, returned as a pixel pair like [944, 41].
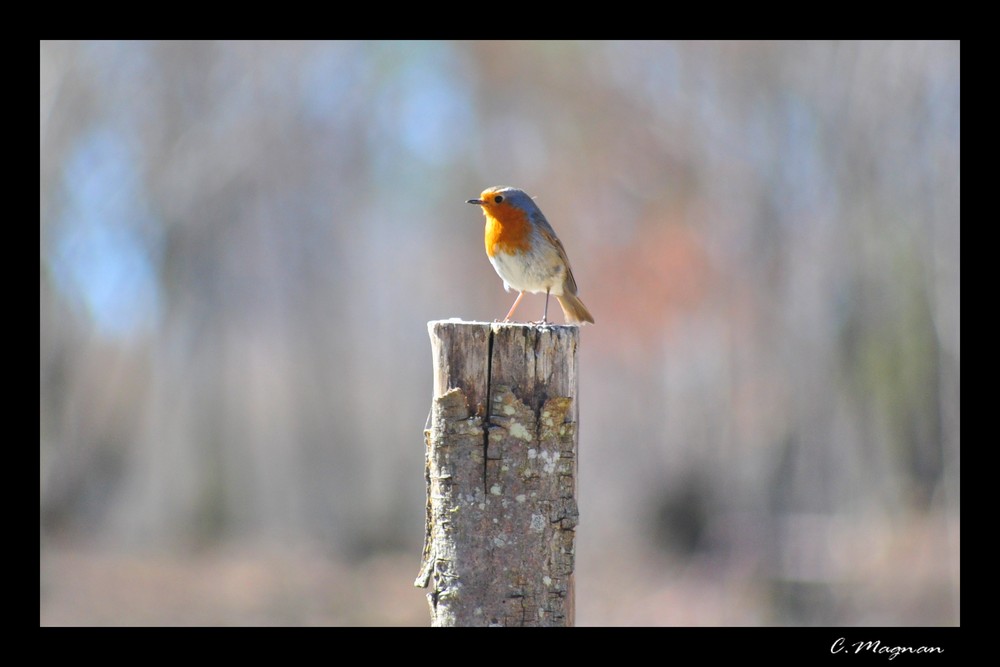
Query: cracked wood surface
[501, 465]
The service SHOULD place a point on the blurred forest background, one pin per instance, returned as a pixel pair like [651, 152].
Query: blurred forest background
[240, 245]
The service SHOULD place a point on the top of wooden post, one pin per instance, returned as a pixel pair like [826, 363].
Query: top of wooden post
[523, 356]
[531, 325]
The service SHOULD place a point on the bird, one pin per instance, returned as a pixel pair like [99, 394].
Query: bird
[526, 253]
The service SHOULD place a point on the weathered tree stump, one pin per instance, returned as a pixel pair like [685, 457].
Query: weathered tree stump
[501, 475]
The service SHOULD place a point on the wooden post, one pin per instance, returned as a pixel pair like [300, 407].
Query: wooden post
[501, 475]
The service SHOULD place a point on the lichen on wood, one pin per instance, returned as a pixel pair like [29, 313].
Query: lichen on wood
[501, 475]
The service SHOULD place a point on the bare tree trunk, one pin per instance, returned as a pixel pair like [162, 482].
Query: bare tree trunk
[501, 475]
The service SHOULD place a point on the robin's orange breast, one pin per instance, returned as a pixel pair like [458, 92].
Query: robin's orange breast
[508, 230]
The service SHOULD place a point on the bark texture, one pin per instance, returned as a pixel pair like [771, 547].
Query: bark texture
[501, 475]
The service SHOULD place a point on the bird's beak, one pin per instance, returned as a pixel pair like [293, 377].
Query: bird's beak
[475, 201]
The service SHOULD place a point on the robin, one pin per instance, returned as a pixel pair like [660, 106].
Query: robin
[526, 253]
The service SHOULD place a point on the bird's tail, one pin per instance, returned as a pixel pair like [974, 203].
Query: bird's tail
[573, 309]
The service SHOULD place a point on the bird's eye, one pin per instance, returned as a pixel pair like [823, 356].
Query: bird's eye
[498, 199]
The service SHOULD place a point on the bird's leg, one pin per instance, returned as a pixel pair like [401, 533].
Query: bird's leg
[545, 313]
[514, 307]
